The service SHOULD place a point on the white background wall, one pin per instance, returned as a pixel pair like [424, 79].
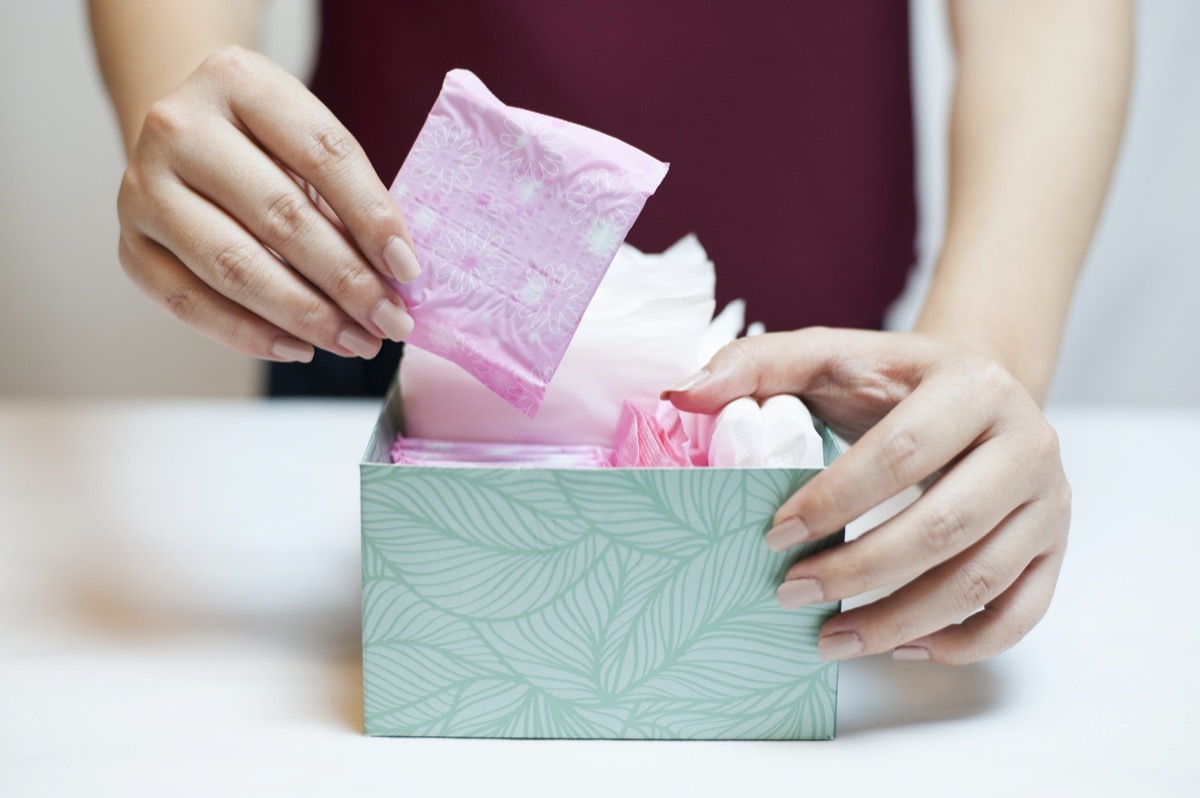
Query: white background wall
[72, 325]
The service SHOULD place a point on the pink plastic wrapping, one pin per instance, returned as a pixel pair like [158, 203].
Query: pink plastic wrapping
[643, 440]
[421, 451]
[516, 217]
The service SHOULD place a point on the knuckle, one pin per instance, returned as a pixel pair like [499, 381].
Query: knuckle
[285, 217]
[347, 283]
[328, 148]
[899, 449]
[378, 213]
[229, 60]
[183, 304]
[976, 584]
[945, 527]
[125, 256]
[993, 379]
[1045, 445]
[132, 186]
[1013, 628]
[1002, 631]
[165, 119]
[823, 502]
[134, 265]
[857, 572]
[241, 333]
[959, 654]
[314, 322]
[1064, 500]
[126, 199]
[235, 268]
[895, 629]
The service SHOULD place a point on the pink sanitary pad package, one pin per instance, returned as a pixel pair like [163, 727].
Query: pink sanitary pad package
[516, 216]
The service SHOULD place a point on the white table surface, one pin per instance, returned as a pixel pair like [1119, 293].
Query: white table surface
[179, 615]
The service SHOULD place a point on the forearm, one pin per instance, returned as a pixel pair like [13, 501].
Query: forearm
[148, 47]
[1039, 106]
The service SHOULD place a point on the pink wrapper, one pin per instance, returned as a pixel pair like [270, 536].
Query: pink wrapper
[516, 216]
[650, 441]
[420, 451]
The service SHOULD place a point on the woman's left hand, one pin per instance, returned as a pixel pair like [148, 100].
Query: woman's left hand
[991, 530]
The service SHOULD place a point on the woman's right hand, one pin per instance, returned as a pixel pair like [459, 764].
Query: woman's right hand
[251, 214]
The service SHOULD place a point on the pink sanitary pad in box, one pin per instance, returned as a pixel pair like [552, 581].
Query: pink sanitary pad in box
[516, 217]
[462, 454]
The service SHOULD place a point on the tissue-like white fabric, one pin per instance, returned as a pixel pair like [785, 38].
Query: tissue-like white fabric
[639, 335]
[779, 434]
[737, 437]
[790, 438]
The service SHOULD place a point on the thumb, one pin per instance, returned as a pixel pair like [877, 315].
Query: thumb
[761, 367]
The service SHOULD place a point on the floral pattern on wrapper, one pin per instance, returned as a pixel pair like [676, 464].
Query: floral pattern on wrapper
[445, 157]
[554, 298]
[533, 147]
[469, 259]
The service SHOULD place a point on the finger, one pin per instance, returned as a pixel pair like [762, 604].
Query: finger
[814, 363]
[764, 365]
[316, 197]
[179, 292]
[295, 127]
[962, 506]
[943, 595]
[938, 421]
[260, 195]
[998, 626]
[231, 261]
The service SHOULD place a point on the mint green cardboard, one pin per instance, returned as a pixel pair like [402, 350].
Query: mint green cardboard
[557, 603]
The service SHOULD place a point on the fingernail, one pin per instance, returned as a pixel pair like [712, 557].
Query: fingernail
[392, 319]
[787, 533]
[839, 645]
[797, 592]
[292, 350]
[359, 342]
[400, 260]
[687, 383]
[910, 652]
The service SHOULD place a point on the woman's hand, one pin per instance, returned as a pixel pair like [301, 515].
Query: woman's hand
[991, 530]
[220, 227]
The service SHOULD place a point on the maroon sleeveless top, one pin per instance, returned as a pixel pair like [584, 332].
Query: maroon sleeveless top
[787, 124]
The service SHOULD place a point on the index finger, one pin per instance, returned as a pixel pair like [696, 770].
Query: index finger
[761, 366]
[296, 128]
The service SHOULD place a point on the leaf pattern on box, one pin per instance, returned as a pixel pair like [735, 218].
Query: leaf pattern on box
[565, 604]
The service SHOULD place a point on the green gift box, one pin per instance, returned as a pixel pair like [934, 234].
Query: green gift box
[579, 603]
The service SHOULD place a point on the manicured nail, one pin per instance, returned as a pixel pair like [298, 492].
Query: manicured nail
[910, 652]
[839, 645]
[400, 260]
[787, 533]
[292, 350]
[359, 342]
[686, 384]
[392, 319]
[797, 592]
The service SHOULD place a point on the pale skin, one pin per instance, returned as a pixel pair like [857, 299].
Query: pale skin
[232, 160]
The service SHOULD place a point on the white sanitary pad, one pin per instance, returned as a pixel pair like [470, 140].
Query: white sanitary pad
[778, 434]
